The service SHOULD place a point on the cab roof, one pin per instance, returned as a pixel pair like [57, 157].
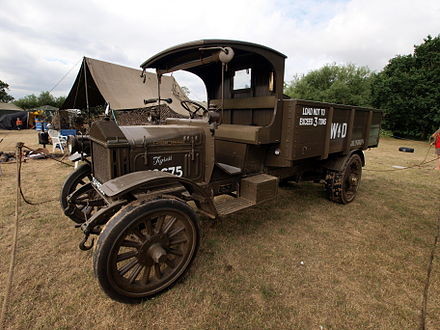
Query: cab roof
[191, 50]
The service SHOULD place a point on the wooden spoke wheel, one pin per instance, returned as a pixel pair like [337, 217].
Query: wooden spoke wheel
[145, 248]
[342, 186]
[85, 204]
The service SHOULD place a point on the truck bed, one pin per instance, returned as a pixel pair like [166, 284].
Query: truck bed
[316, 129]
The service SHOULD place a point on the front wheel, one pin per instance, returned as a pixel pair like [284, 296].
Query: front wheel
[342, 186]
[145, 249]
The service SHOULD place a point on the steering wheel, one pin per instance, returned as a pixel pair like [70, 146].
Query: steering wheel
[192, 113]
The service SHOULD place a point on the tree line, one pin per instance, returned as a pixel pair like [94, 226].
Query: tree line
[407, 89]
[30, 101]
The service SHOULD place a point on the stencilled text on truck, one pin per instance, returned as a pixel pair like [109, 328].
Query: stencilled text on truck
[313, 117]
[338, 131]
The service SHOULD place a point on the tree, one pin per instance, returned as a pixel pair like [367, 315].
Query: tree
[45, 98]
[408, 89]
[27, 102]
[4, 96]
[346, 84]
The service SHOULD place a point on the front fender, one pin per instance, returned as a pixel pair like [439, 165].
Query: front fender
[116, 188]
[128, 182]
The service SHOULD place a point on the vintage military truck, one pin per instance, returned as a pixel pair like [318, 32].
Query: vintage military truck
[144, 186]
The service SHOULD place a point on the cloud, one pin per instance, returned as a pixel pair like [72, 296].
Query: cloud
[41, 41]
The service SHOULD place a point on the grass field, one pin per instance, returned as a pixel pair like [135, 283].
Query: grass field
[297, 262]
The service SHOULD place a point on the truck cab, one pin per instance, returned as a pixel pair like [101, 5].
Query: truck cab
[246, 91]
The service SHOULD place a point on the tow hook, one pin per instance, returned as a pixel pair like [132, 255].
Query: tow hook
[82, 244]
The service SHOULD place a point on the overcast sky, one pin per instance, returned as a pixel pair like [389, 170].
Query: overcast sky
[40, 41]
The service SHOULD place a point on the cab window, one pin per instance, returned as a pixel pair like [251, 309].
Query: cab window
[242, 79]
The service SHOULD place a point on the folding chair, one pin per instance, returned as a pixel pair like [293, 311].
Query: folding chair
[58, 140]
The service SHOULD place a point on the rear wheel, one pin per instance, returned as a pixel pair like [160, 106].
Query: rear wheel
[145, 249]
[342, 186]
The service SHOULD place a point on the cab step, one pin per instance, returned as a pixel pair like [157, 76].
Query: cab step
[230, 205]
[253, 190]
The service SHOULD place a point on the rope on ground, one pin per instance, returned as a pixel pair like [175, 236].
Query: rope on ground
[409, 167]
[14, 245]
[1, 172]
[428, 278]
[50, 156]
[19, 160]
[405, 168]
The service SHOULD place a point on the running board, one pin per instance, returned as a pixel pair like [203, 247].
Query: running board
[253, 190]
[230, 205]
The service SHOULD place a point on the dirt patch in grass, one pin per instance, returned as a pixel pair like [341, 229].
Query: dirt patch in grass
[297, 262]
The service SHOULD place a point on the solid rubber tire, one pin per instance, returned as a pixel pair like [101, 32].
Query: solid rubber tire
[334, 182]
[121, 221]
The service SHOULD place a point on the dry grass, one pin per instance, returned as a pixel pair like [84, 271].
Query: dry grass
[364, 263]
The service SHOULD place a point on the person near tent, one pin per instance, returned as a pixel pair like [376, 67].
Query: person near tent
[436, 143]
[19, 123]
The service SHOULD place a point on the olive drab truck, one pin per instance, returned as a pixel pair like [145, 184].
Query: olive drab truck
[141, 189]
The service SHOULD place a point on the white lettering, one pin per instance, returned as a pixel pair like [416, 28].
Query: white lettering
[305, 121]
[313, 121]
[313, 111]
[333, 130]
[159, 160]
[175, 170]
[338, 130]
[357, 143]
[344, 130]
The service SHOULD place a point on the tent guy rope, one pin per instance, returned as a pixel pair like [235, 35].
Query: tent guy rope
[19, 196]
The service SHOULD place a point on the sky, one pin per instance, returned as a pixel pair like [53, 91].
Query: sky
[42, 41]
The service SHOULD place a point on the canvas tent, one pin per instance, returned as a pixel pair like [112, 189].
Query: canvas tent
[47, 108]
[8, 108]
[98, 83]
[8, 121]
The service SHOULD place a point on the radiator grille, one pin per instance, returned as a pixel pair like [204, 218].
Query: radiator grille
[101, 162]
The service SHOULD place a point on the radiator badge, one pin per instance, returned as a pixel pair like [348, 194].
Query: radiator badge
[159, 160]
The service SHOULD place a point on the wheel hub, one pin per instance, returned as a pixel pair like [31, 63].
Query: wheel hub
[157, 253]
[354, 180]
[153, 250]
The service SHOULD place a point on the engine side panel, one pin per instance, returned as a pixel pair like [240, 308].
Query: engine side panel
[178, 150]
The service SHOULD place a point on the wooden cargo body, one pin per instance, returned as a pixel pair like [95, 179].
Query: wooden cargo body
[316, 129]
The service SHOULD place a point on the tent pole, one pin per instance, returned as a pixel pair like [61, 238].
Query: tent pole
[87, 93]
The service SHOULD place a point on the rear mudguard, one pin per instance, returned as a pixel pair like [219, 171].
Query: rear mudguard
[119, 187]
[337, 164]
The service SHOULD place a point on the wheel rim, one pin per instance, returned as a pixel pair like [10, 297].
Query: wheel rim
[352, 179]
[152, 252]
